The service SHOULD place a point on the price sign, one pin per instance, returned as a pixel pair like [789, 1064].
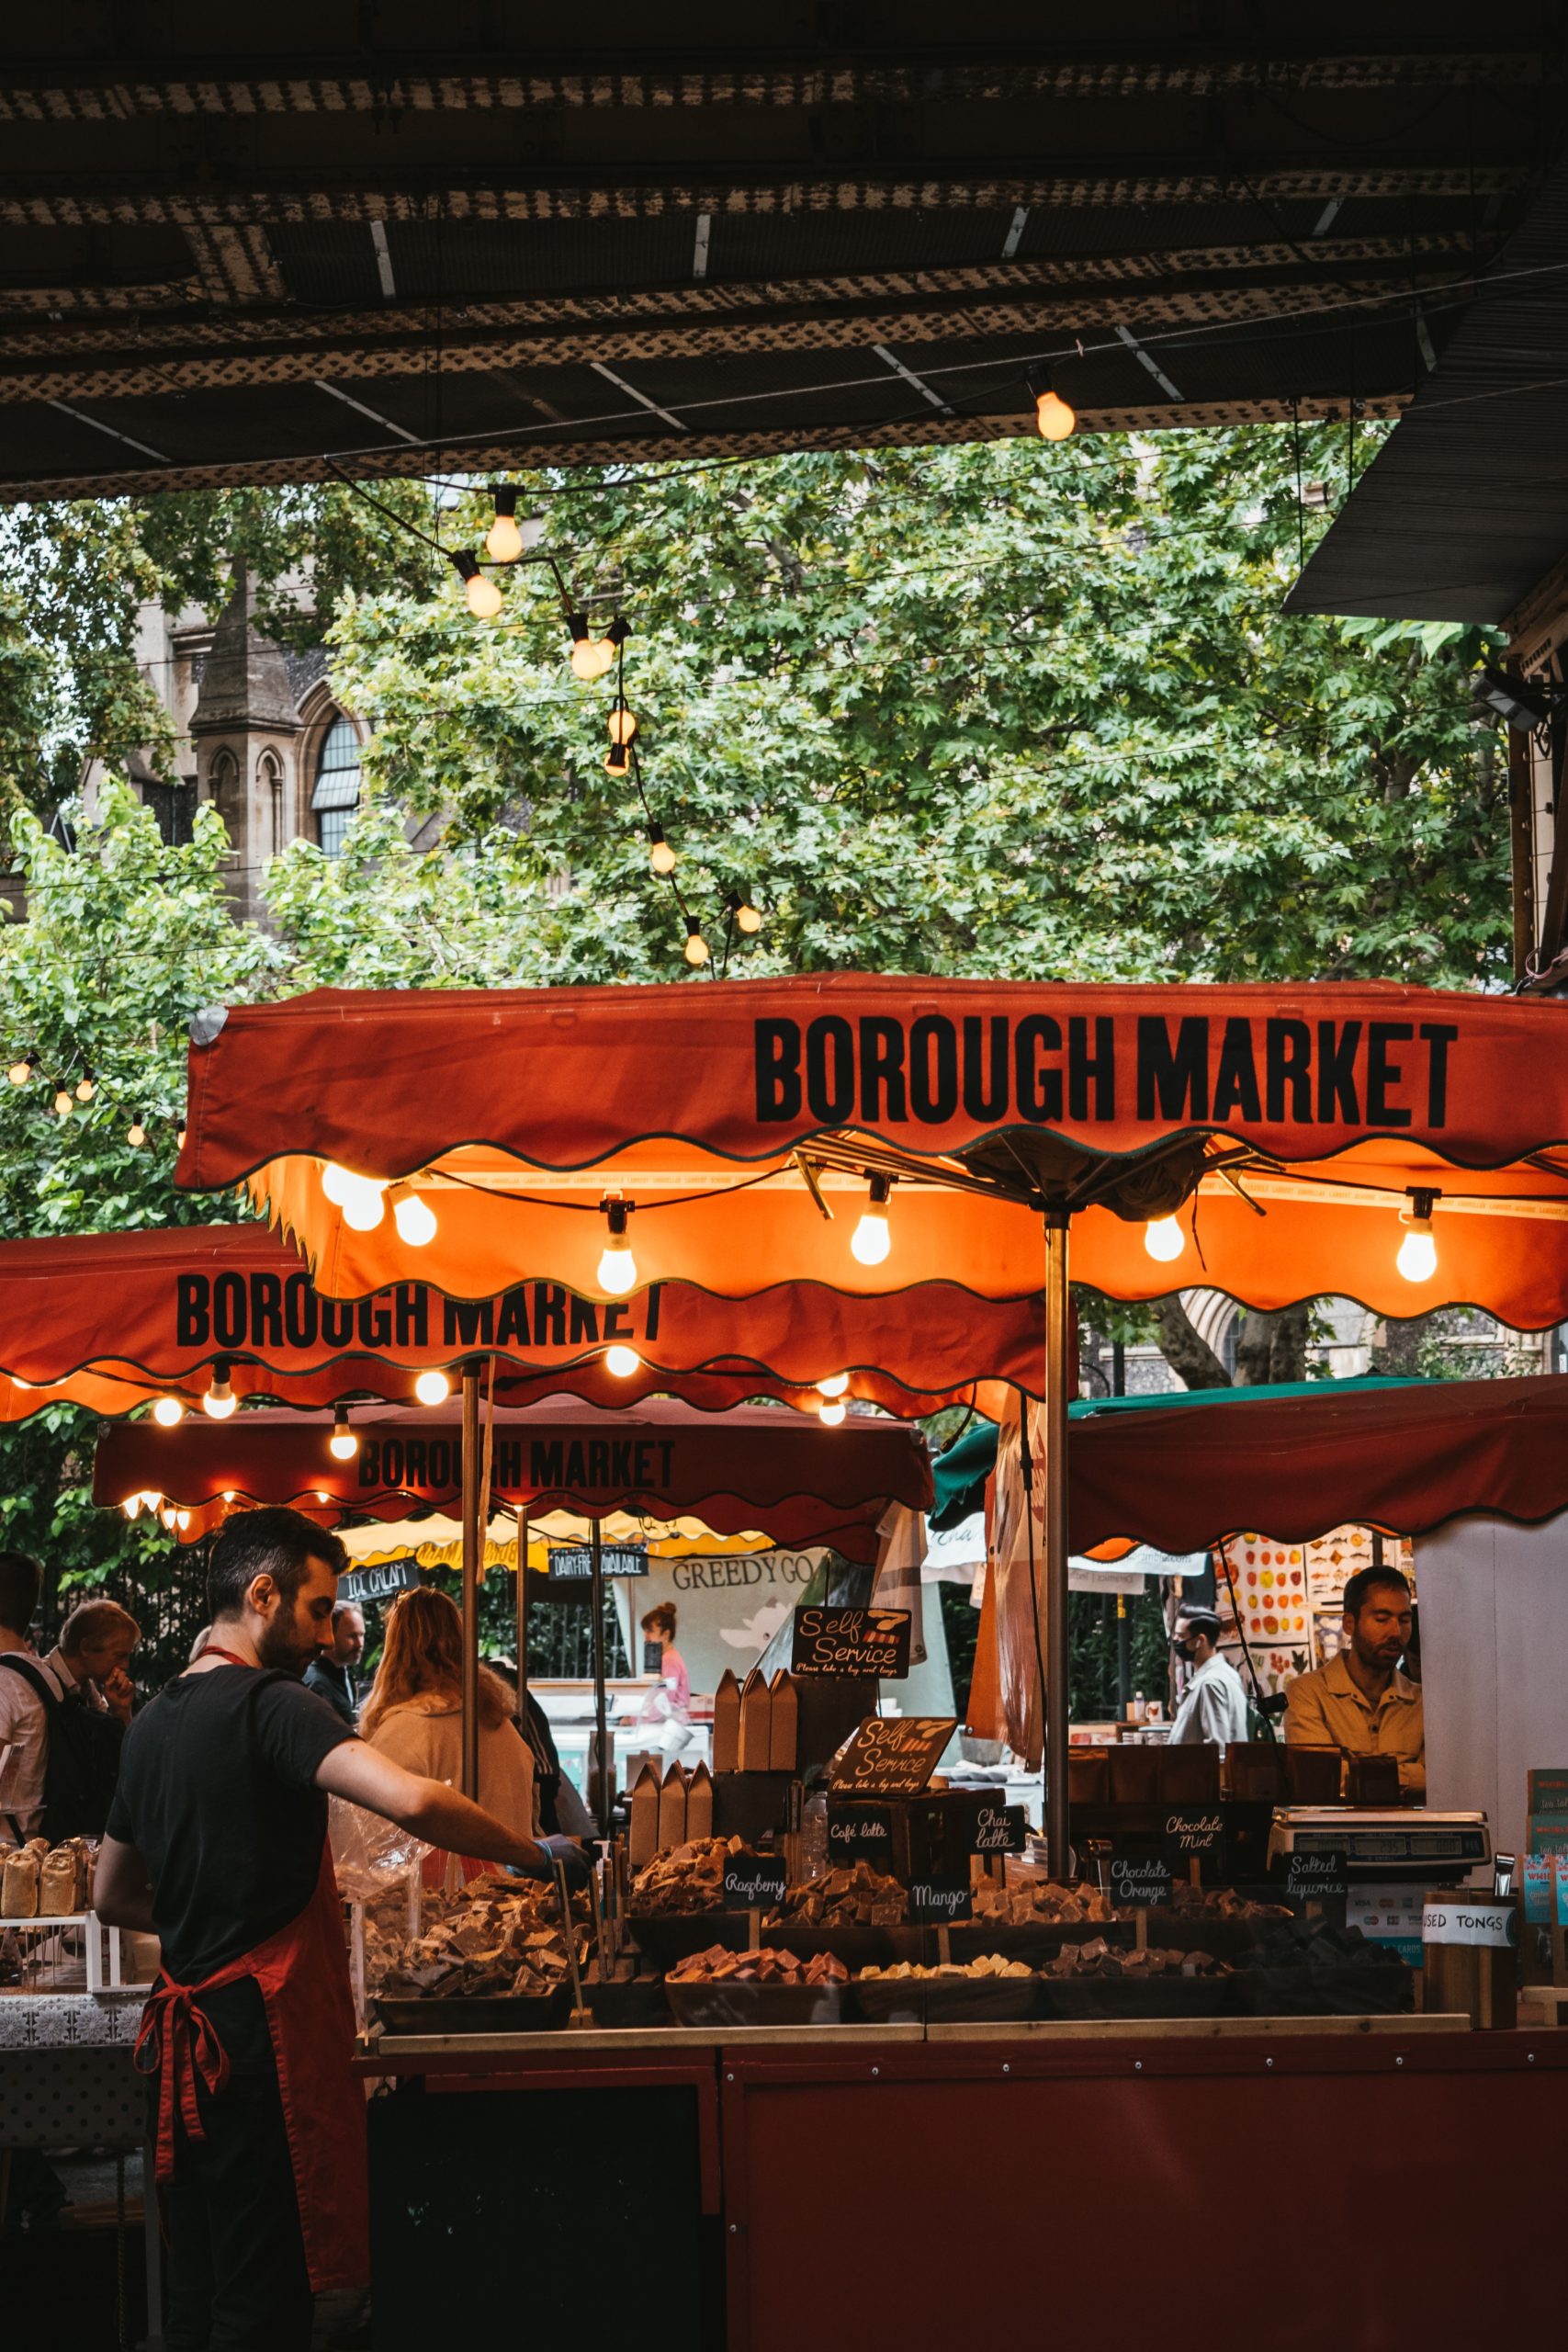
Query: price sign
[1314, 1877]
[891, 1756]
[1136, 1879]
[999, 1829]
[861, 1833]
[1194, 1834]
[937, 1902]
[752, 1882]
[851, 1642]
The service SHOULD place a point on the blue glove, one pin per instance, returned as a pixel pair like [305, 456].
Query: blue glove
[577, 1864]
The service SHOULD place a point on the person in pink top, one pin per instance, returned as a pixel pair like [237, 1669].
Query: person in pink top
[673, 1698]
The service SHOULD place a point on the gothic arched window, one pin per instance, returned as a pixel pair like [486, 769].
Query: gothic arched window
[336, 794]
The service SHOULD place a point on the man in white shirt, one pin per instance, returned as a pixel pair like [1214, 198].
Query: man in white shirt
[89, 1668]
[1214, 1706]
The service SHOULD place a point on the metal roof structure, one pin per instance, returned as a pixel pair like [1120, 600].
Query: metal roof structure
[248, 244]
[1463, 514]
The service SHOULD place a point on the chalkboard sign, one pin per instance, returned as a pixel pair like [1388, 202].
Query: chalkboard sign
[891, 1756]
[1137, 1880]
[379, 1582]
[614, 1560]
[1315, 1877]
[938, 1901]
[752, 1882]
[1195, 1833]
[999, 1829]
[851, 1642]
[861, 1833]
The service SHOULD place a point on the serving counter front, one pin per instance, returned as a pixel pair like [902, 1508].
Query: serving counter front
[1371, 2182]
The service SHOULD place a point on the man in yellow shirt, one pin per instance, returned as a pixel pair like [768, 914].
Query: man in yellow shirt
[1360, 1703]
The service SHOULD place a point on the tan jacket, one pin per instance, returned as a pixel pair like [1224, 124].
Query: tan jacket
[427, 1739]
[1328, 1710]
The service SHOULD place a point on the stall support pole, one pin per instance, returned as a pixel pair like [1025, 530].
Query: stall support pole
[471, 1582]
[1058, 1392]
[600, 1712]
[522, 1616]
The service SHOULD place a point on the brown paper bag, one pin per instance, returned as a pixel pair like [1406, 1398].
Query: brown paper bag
[726, 1724]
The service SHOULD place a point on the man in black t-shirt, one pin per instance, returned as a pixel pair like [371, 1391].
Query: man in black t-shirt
[217, 1841]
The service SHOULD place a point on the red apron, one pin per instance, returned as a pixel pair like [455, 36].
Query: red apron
[303, 1975]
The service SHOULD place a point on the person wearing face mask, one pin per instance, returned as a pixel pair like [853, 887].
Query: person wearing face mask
[1214, 1706]
[1361, 1703]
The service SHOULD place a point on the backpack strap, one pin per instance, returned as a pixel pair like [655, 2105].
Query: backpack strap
[32, 1674]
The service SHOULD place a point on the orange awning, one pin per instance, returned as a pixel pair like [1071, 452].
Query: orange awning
[1284, 1130]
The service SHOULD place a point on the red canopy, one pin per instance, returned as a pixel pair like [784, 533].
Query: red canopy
[1402, 1459]
[753, 1467]
[110, 1320]
[1282, 1128]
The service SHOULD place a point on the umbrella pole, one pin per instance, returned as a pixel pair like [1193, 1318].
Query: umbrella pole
[471, 1582]
[522, 1616]
[600, 1712]
[1059, 1391]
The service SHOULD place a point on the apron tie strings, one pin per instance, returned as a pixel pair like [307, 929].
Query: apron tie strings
[179, 2036]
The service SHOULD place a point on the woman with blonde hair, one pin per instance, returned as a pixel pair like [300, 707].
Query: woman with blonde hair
[414, 1714]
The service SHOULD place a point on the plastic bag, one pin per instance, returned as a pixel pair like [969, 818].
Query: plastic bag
[371, 1857]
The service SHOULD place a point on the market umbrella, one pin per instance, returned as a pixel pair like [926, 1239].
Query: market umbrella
[1398, 1146]
[755, 1467]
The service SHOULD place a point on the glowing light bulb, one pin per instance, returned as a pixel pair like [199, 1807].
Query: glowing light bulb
[168, 1412]
[622, 1362]
[363, 1207]
[834, 1385]
[1164, 1240]
[1417, 1259]
[414, 1218]
[136, 1135]
[179, 1139]
[661, 856]
[617, 1267]
[62, 1104]
[16, 1383]
[590, 657]
[132, 1506]
[483, 597]
[503, 540]
[617, 760]
[748, 918]
[19, 1072]
[871, 1239]
[433, 1387]
[1052, 415]
[831, 1412]
[623, 724]
[696, 950]
[344, 1443]
[182, 1520]
[219, 1400]
[85, 1088]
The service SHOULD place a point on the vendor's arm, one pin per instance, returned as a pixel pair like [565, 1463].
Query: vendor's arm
[1413, 1774]
[429, 1809]
[122, 1891]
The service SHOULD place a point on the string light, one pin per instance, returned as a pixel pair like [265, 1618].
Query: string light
[359, 1197]
[433, 1387]
[136, 1135]
[1164, 1240]
[1417, 1259]
[63, 1101]
[219, 1400]
[622, 1362]
[87, 1087]
[16, 1382]
[343, 1443]
[871, 1239]
[831, 1413]
[168, 1412]
[503, 540]
[623, 723]
[590, 656]
[835, 1383]
[617, 759]
[696, 950]
[1052, 415]
[484, 598]
[20, 1071]
[661, 856]
[748, 918]
[413, 1216]
[617, 1267]
[132, 1506]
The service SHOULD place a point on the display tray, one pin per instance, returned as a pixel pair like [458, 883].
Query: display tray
[627, 2001]
[487, 2013]
[1138, 1996]
[1356, 1990]
[945, 2000]
[666, 1937]
[766, 2004]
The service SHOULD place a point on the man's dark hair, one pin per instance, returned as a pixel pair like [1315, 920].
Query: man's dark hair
[21, 1581]
[1367, 1580]
[276, 1543]
[1202, 1621]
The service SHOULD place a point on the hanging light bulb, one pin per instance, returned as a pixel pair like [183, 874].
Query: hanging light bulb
[832, 1411]
[622, 1362]
[503, 540]
[623, 724]
[179, 1139]
[590, 656]
[413, 1216]
[343, 1445]
[17, 1382]
[748, 918]
[136, 1135]
[20, 1071]
[433, 1387]
[617, 760]
[484, 598]
[834, 1385]
[63, 1101]
[168, 1412]
[1417, 1259]
[182, 1520]
[696, 950]
[1052, 415]
[617, 1267]
[871, 1240]
[363, 1205]
[1164, 1240]
[219, 1400]
[132, 1506]
[661, 856]
[87, 1087]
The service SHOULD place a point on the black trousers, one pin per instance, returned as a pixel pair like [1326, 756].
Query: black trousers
[237, 2280]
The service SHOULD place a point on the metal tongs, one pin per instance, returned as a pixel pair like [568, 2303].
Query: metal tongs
[580, 2014]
